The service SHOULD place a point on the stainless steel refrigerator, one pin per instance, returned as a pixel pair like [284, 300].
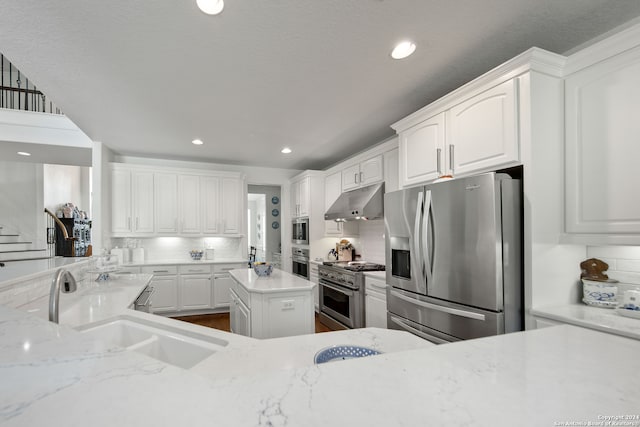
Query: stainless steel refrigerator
[454, 258]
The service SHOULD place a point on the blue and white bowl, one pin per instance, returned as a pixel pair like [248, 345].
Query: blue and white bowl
[599, 293]
[262, 269]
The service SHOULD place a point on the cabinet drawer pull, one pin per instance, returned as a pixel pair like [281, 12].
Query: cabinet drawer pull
[438, 163]
[451, 153]
[160, 271]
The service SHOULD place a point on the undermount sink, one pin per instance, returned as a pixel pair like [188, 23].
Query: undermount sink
[172, 345]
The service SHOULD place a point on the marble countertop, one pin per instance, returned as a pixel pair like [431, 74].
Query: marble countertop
[602, 319]
[187, 261]
[93, 301]
[18, 271]
[52, 375]
[278, 281]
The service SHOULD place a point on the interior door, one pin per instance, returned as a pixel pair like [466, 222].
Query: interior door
[465, 242]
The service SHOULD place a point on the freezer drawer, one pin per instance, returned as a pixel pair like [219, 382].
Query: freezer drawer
[456, 320]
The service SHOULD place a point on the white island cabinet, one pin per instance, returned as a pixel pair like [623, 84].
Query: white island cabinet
[279, 305]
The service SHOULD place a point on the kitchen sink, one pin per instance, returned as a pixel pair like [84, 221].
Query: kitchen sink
[172, 345]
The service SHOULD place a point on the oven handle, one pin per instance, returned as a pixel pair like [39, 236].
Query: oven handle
[454, 311]
[417, 331]
[341, 290]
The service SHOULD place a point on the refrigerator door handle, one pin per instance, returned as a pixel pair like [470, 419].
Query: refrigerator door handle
[448, 310]
[418, 260]
[427, 270]
[417, 332]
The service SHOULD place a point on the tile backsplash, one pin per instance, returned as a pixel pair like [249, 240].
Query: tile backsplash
[177, 248]
[624, 264]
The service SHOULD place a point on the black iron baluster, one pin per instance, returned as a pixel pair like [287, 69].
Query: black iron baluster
[11, 83]
[19, 84]
[2, 81]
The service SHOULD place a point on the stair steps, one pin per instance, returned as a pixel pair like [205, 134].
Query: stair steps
[12, 248]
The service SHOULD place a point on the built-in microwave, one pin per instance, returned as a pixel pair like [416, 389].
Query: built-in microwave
[300, 231]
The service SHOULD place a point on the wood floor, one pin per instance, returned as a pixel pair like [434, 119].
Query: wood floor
[221, 322]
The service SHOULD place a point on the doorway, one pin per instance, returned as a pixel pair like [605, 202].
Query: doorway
[264, 211]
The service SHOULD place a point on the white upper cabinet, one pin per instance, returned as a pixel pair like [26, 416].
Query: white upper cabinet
[132, 204]
[300, 193]
[120, 201]
[147, 201]
[483, 131]
[189, 204]
[463, 135]
[364, 173]
[602, 104]
[231, 202]
[166, 195]
[210, 188]
[422, 151]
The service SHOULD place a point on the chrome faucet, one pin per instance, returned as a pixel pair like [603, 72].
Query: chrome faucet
[54, 296]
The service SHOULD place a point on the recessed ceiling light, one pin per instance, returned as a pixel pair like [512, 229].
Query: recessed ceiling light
[24, 153]
[211, 7]
[403, 49]
[286, 150]
[197, 142]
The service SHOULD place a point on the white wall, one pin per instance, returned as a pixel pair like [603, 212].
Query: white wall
[64, 184]
[22, 201]
[101, 197]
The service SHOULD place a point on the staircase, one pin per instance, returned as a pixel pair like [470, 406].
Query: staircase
[13, 248]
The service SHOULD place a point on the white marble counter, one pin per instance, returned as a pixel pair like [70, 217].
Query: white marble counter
[602, 319]
[278, 281]
[55, 376]
[93, 301]
[259, 356]
[185, 261]
[19, 271]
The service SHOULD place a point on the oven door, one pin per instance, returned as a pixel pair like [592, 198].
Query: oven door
[339, 303]
[300, 267]
[300, 231]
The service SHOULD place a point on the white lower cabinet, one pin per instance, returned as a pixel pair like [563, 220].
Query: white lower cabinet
[375, 303]
[165, 287]
[271, 314]
[239, 316]
[222, 284]
[195, 291]
[314, 277]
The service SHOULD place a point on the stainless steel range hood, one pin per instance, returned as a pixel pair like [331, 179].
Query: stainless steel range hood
[359, 204]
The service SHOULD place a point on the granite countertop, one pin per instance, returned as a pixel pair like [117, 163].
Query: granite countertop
[602, 319]
[278, 281]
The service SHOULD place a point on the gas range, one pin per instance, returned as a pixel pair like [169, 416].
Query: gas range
[355, 265]
[341, 287]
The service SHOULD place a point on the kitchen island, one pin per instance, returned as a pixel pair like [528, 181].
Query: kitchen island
[278, 305]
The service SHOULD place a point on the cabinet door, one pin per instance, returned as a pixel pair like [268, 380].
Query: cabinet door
[195, 291]
[295, 198]
[243, 319]
[120, 201]
[375, 311]
[233, 311]
[375, 303]
[602, 150]
[142, 202]
[231, 202]
[165, 293]
[221, 290]
[332, 190]
[483, 131]
[211, 204]
[371, 171]
[166, 198]
[421, 151]
[305, 196]
[351, 178]
[189, 196]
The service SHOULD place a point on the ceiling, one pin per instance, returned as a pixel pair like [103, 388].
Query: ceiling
[146, 77]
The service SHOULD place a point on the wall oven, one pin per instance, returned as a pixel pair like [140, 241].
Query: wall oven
[300, 262]
[300, 231]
